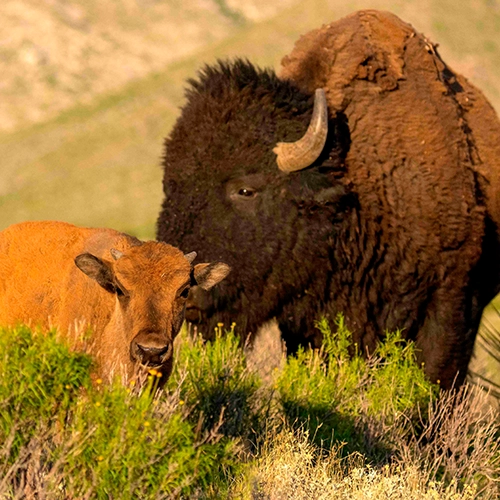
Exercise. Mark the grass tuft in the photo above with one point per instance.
(347, 399)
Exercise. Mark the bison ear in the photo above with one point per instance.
(208, 275)
(97, 269)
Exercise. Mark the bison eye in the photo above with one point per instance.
(247, 192)
(184, 294)
(244, 193)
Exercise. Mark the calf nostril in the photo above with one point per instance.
(153, 355)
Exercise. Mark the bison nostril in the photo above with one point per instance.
(152, 355)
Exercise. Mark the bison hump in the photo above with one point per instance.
(365, 46)
(413, 122)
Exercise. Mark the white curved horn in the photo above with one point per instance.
(294, 156)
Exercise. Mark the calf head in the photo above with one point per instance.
(151, 283)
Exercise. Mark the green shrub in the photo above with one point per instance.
(214, 380)
(40, 379)
(344, 398)
(66, 438)
(137, 446)
(102, 441)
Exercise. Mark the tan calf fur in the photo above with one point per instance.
(130, 294)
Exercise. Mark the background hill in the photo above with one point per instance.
(90, 89)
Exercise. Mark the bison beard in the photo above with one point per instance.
(396, 222)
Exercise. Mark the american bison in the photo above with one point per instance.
(131, 294)
(363, 180)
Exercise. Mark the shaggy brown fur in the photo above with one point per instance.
(130, 294)
(423, 139)
(401, 101)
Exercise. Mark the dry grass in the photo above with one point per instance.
(456, 456)
(290, 467)
(459, 443)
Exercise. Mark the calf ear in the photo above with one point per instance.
(208, 275)
(97, 269)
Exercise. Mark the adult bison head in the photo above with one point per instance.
(236, 193)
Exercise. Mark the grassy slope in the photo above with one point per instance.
(59, 53)
(99, 165)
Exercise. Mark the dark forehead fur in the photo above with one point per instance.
(235, 110)
(227, 78)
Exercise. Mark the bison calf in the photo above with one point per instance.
(130, 294)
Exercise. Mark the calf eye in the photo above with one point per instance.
(184, 294)
(122, 293)
(247, 192)
(123, 296)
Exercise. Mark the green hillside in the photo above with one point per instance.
(99, 164)
(61, 52)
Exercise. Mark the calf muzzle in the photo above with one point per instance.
(147, 350)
